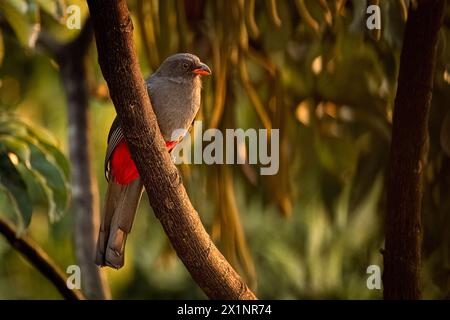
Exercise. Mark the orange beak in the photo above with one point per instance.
(202, 70)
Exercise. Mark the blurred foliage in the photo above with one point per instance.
(33, 169)
(309, 68)
(31, 165)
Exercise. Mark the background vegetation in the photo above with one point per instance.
(310, 68)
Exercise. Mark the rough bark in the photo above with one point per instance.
(85, 197)
(39, 259)
(118, 61)
(402, 255)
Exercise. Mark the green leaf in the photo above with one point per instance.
(19, 148)
(50, 144)
(9, 127)
(44, 136)
(15, 188)
(35, 135)
(23, 151)
(53, 179)
(37, 152)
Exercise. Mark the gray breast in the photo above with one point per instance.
(175, 101)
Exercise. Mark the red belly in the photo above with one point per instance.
(123, 168)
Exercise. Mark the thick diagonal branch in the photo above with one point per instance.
(117, 58)
(402, 259)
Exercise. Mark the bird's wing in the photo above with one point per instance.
(114, 137)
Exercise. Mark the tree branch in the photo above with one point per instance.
(118, 61)
(402, 258)
(85, 197)
(39, 259)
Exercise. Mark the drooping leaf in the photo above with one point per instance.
(56, 199)
(40, 158)
(37, 136)
(50, 144)
(54, 180)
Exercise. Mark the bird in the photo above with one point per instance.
(175, 94)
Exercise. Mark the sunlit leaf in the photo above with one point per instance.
(36, 150)
(56, 197)
(37, 136)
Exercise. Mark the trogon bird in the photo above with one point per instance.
(175, 92)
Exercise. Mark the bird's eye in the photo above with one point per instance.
(185, 65)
